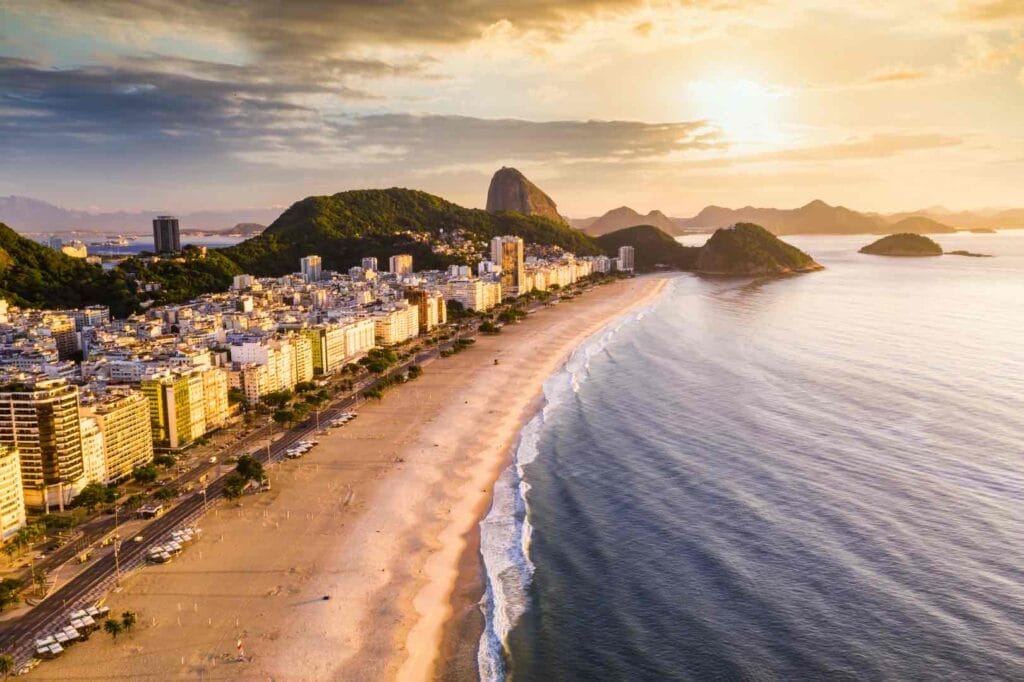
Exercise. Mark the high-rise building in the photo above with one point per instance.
(507, 253)
(127, 434)
(94, 468)
(369, 263)
(399, 324)
(12, 496)
(327, 343)
(626, 255)
(474, 294)
(310, 266)
(166, 235)
(432, 308)
(400, 264)
(177, 406)
(41, 420)
(61, 329)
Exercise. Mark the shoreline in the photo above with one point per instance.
(460, 645)
(383, 517)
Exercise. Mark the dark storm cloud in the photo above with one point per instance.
(317, 27)
(104, 108)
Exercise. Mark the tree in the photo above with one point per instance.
(10, 592)
(415, 371)
(39, 578)
(234, 486)
(305, 386)
(250, 468)
(6, 665)
(277, 398)
(488, 327)
(93, 495)
(113, 627)
(128, 620)
(145, 474)
(164, 460)
(235, 395)
(134, 501)
(166, 494)
(283, 417)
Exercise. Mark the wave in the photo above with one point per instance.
(505, 532)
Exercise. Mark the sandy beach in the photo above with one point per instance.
(378, 517)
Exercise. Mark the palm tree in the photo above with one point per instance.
(6, 665)
(128, 620)
(114, 627)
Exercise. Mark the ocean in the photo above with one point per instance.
(815, 477)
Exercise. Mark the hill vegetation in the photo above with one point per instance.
(35, 276)
(344, 227)
(904, 244)
(750, 250)
(652, 247)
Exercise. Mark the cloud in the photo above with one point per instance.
(313, 28)
(898, 74)
(992, 10)
(876, 146)
(158, 106)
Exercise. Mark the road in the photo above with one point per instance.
(17, 637)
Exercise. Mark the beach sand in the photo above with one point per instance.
(382, 517)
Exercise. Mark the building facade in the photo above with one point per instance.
(166, 235)
(41, 420)
(311, 268)
(626, 258)
(400, 264)
(127, 434)
(12, 496)
(507, 253)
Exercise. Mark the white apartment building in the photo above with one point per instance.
(474, 294)
(397, 325)
(626, 258)
(12, 497)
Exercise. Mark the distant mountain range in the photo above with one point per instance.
(623, 217)
(817, 217)
(29, 215)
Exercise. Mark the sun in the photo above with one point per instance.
(750, 114)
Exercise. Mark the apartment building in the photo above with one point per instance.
(124, 421)
(12, 496)
(474, 294)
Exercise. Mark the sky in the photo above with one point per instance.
(881, 105)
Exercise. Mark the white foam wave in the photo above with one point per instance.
(506, 531)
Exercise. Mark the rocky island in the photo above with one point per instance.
(746, 250)
(903, 245)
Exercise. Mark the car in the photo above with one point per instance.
(213, 460)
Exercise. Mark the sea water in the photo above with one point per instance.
(815, 477)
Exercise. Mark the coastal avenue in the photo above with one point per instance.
(17, 637)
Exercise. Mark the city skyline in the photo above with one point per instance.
(665, 106)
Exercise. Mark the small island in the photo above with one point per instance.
(746, 250)
(903, 245)
(969, 254)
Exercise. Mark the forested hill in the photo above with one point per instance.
(344, 227)
(36, 276)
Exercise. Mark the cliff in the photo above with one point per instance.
(511, 191)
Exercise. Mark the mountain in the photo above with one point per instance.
(989, 219)
(817, 217)
(917, 224)
(652, 247)
(33, 215)
(344, 227)
(35, 276)
(239, 230)
(511, 191)
(746, 249)
(903, 244)
(624, 216)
